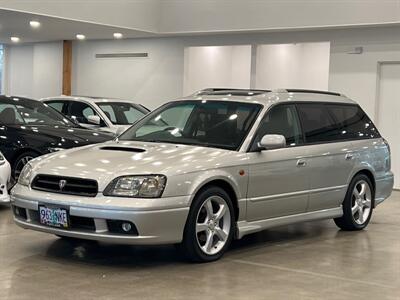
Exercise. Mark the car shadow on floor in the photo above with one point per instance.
(92, 252)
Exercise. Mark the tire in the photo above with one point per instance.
(357, 205)
(210, 226)
(20, 162)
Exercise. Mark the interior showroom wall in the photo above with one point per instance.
(161, 75)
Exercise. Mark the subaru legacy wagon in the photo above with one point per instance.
(213, 167)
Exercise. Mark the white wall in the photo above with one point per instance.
(150, 81)
(34, 70)
(160, 77)
(216, 66)
(303, 65)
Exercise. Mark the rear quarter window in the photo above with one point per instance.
(352, 122)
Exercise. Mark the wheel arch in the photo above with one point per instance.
(227, 185)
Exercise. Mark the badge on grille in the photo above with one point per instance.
(62, 184)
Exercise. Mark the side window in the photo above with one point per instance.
(9, 115)
(80, 111)
(283, 120)
(352, 122)
(317, 123)
(57, 105)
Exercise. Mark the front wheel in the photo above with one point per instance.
(20, 163)
(358, 204)
(209, 228)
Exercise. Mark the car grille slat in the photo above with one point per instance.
(73, 186)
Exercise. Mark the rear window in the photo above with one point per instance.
(352, 122)
(335, 122)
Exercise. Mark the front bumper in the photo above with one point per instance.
(153, 226)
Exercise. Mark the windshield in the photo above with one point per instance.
(219, 124)
(30, 112)
(122, 113)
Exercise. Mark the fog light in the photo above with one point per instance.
(126, 227)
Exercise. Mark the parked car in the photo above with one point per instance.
(29, 128)
(5, 176)
(106, 114)
(212, 167)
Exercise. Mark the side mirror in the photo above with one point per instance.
(93, 119)
(272, 141)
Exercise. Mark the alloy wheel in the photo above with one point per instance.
(361, 202)
(213, 225)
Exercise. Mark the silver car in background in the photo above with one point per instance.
(106, 114)
(211, 167)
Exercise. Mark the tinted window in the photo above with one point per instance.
(352, 122)
(219, 124)
(121, 113)
(283, 120)
(81, 111)
(318, 125)
(57, 105)
(30, 113)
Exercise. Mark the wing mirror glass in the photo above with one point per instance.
(92, 119)
(272, 141)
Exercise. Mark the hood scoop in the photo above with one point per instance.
(124, 149)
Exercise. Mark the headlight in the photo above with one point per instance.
(149, 186)
(25, 175)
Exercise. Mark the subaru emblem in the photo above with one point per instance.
(62, 184)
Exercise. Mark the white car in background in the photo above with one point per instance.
(5, 175)
(106, 114)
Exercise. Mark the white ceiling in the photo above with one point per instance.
(99, 19)
(14, 23)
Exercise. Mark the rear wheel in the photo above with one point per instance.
(209, 228)
(358, 204)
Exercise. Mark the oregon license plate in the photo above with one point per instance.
(55, 217)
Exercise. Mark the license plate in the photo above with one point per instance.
(55, 217)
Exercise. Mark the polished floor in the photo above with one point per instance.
(303, 261)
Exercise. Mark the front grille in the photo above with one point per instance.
(71, 185)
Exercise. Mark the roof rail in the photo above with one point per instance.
(307, 91)
(231, 91)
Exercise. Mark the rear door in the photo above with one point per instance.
(278, 179)
(330, 155)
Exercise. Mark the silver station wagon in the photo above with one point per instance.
(213, 167)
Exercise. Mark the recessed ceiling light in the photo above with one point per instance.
(80, 37)
(15, 39)
(34, 24)
(118, 35)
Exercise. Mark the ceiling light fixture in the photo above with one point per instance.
(15, 39)
(80, 37)
(118, 35)
(34, 24)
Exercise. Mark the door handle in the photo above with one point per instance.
(301, 163)
(349, 156)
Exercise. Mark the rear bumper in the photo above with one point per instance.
(383, 187)
(153, 227)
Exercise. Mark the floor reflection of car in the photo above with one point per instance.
(29, 128)
(212, 167)
(5, 176)
(106, 114)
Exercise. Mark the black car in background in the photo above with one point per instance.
(29, 128)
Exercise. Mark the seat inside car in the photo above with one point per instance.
(7, 116)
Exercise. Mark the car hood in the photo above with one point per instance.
(66, 137)
(106, 161)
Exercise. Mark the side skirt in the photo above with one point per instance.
(244, 227)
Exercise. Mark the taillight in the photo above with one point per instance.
(388, 160)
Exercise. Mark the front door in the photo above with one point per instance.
(278, 179)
